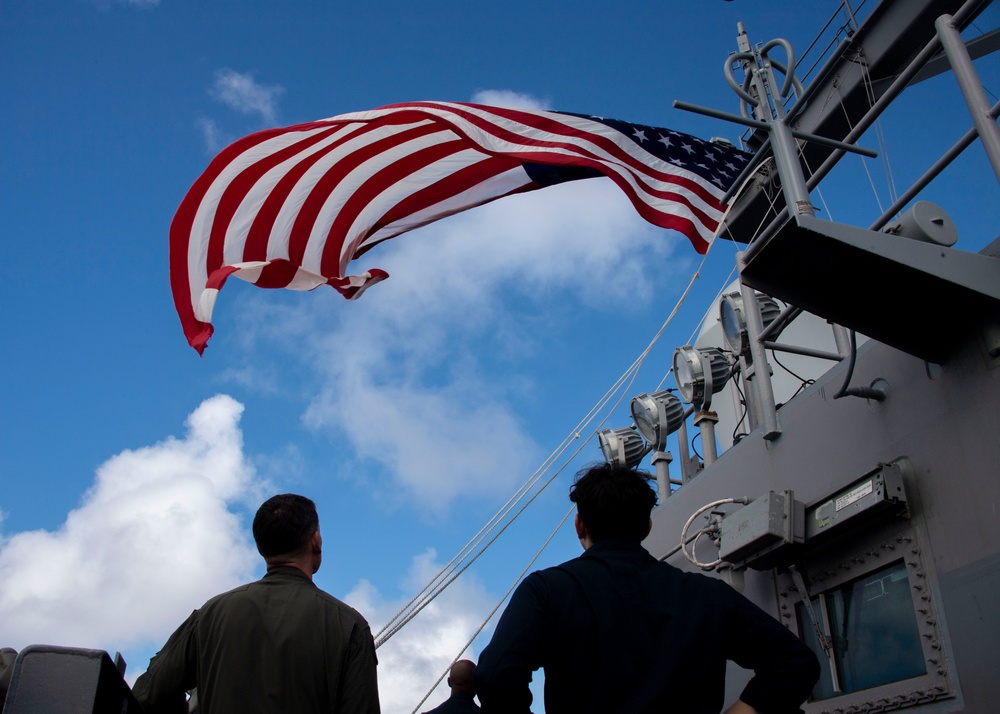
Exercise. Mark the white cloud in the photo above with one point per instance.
(405, 375)
(212, 135)
(423, 374)
(241, 92)
(152, 539)
(509, 99)
(413, 658)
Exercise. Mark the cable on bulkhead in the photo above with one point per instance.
(684, 531)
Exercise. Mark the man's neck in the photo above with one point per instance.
(290, 563)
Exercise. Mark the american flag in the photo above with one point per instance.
(291, 207)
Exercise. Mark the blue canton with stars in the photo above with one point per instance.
(717, 164)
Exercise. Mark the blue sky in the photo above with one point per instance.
(131, 467)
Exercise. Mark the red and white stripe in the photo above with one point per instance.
(292, 207)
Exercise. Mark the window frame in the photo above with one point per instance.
(853, 556)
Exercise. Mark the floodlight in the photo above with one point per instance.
(656, 416)
(700, 373)
(622, 447)
(732, 315)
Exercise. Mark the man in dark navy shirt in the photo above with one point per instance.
(618, 631)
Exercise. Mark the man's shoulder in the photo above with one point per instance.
(341, 606)
(598, 563)
(222, 597)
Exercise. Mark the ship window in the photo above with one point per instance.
(872, 630)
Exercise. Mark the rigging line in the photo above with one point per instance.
(723, 225)
(398, 627)
(494, 610)
(836, 91)
(864, 161)
(883, 145)
(479, 537)
(468, 547)
(412, 607)
(512, 502)
(673, 313)
(381, 640)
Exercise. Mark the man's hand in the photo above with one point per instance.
(741, 707)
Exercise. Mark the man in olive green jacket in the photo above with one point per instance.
(276, 645)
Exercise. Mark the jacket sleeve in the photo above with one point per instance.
(359, 680)
(171, 674)
(515, 651)
(785, 670)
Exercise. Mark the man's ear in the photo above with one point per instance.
(581, 528)
(649, 528)
(316, 542)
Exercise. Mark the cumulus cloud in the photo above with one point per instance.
(241, 92)
(211, 134)
(510, 99)
(425, 376)
(413, 658)
(432, 355)
(153, 538)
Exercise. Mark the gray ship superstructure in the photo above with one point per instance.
(857, 500)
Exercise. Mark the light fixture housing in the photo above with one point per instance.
(656, 416)
(622, 447)
(700, 373)
(732, 315)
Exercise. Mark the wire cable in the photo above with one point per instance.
(684, 538)
(465, 557)
(494, 610)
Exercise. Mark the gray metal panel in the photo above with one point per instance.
(972, 593)
(919, 297)
(946, 420)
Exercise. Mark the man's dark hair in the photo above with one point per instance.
(613, 501)
(284, 524)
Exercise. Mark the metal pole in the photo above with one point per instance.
(780, 322)
(684, 451)
(932, 173)
(807, 351)
(661, 462)
(842, 338)
(972, 89)
(764, 394)
(705, 420)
